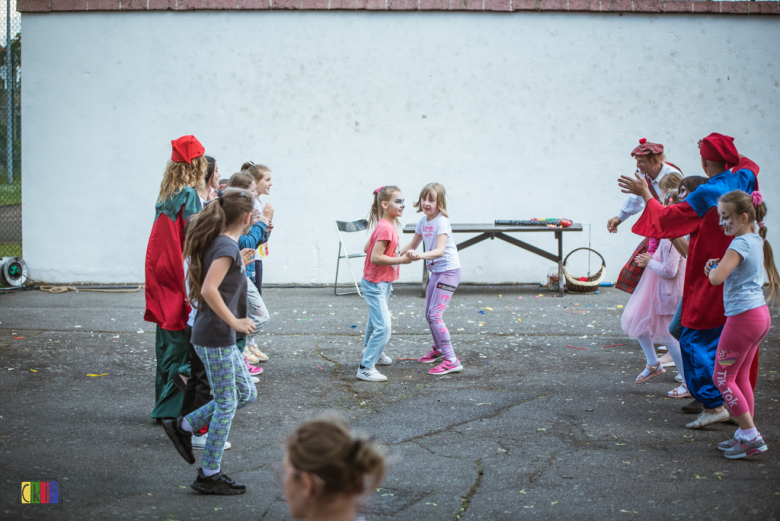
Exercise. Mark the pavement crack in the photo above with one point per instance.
(466, 500)
(547, 464)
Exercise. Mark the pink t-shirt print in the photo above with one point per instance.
(384, 231)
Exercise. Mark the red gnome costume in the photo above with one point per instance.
(631, 273)
(703, 313)
(166, 298)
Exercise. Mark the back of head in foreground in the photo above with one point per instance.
(327, 470)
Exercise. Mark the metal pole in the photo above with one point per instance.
(9, 84)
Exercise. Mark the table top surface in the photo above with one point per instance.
(489, 227)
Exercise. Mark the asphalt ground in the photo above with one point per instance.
(530, 429)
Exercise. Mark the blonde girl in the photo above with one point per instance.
(741, 271)
(441, 258)
(262, 176)
(218, 286)
(327, 470)
(379, 272)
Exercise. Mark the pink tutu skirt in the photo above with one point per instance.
(640, 316)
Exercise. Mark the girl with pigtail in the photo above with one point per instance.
(218, 286)
(741, 271)
(379, 272)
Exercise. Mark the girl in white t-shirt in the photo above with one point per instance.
(441, 258)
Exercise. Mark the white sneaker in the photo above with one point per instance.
(678, 378)
(383, 359)
(199, 442)
(370, 375)
(706, 418)
(254, 379)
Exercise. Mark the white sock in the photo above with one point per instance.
(453, 360)
(749, 434)
(647, 347)
(738, 434)
(676, 353)
(185, 425)
(209, 473)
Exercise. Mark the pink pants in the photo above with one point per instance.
(441, 286)
(737, 348)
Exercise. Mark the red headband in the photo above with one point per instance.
(719, 149)
(185, 149)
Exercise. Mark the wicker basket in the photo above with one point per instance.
(578, 286)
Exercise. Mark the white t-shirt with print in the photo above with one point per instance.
(430, 231)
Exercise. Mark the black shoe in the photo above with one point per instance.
(218, 484)
(694, 407)
(181, 439)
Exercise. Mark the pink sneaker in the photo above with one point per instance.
(446, 367)
(431, 357)
(253, 371)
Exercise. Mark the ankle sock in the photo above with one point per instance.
(185, 425)
(749, 434)
(208, 472)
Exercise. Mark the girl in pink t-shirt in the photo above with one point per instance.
(379, 272)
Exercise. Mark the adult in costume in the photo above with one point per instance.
(166, 298)
(651, 164)
(703, 313)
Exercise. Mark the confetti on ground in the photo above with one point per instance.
(614, 345)
(519, 319)
(488, 309)
(406, 358)
(353, 326)
(18, 338)
(575, 347)
(481, 312)
(91, 374)
(320, 368)
(488, 363)
(34, 370)
(619, 307)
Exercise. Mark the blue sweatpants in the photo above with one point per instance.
(699, 348)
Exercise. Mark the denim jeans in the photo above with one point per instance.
(378, 326)
(675, 328)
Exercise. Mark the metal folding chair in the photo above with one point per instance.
(348, 227)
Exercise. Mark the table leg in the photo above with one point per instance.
(559, 236)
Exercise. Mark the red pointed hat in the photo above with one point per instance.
(185, 149)
(719, 149)
(645, 148)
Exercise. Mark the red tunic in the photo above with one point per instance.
(703, 307)
(166, 298)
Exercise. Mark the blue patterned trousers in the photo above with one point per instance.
(232, 388)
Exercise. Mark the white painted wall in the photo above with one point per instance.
(518, 115)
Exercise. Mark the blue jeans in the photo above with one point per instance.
(676, 328)
(378, 327)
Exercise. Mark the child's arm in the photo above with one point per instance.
(718, 270)
(413, 244)
(670, 265)
(441, 245)
(681, 245)
(379, 258)
(210, 293)
(254, 237)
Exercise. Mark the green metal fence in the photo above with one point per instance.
(10, 131)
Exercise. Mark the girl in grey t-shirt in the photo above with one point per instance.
(747, 316)
(218, 287)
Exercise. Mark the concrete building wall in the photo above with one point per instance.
(518, 115)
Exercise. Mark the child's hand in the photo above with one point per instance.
(247, 255)
(412, 254)
(710, 264)
(642, 259)
(270, 225)
(268, 211)
(244, 325)
(212, 195)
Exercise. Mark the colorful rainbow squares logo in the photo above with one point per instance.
(40, 492)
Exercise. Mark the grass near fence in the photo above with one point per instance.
(10, 193)
(10, 250)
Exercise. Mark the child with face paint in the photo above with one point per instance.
(441, 258)
(379, 272)
(741, 271)
(650, 309)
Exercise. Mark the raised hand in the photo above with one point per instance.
(268, 211)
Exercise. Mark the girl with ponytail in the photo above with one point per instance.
(218, 286)
(327, 470)
(379, 272)
(741, 271)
